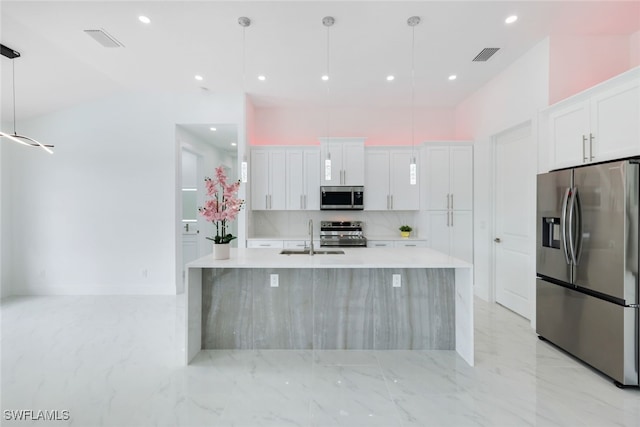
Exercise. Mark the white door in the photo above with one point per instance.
(377, 180)
(439, 231)
(353, 163)
(437, 170)
(295, 180)
(189, 220)
(259, 180)
(515, 219)
(568, 128)
(277, 180)
(311, 176)
(406, 197)
(461, 178)
(462, 235)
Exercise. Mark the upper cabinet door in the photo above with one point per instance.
(331, 175)
(311, 197)
(278, 180)
(404, 195)
(353, 163)
(437, 170)
(295, 180)
(569, 134)
(461, 178)
(259, 179)
(377, 196)
(615, 122)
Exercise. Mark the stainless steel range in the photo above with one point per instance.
(342, 233)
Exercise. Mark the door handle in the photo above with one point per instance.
(497, 240)
(584, 144)
(563, 224)
(591, 138)
(572, 245)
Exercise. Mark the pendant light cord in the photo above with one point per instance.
(327, 83)
(413, 89)
(13, 78)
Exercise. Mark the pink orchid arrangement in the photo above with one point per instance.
(223, 206)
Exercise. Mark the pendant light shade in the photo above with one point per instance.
(413, 167)
(15, 137)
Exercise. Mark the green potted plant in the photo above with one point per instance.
(405, 230)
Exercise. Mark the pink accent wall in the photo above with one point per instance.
(578, 62)
(634, 50)
(381, 126)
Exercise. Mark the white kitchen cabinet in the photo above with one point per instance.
(300, 244)
(387, 175)
(346, 157)
(379, 243)
(602, 123)
(449, 177)
(268, 179)
(264, 244)
(451, 232)
(411, 243)
(303, 179)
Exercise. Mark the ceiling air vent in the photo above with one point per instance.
(104, 38)
(485, 54)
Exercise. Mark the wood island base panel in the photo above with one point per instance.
(365, 299)
(328, 309)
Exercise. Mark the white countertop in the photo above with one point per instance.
(352, 258)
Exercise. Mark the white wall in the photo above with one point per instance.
(634, 49)
(513, 97)
(99, 216)
(381, 126)
(5, 231)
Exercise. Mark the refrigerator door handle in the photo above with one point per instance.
(578, 209)
(572, 209)
(563, 224)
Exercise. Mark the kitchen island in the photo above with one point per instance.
(366, 298)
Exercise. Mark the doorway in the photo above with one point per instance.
(201, 148)
(514, 219)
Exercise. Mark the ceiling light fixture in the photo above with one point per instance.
(144, 19)
(20, 139)
(212, 129)
(413, 167)
(328, 22)
(511, 19)
(453, 77)
(233, 144)
(262, 78)
(198, 77)
(390, 78)
(244, 23)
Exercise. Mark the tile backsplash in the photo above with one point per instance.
(277, 224)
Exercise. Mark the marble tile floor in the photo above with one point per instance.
(116, 361)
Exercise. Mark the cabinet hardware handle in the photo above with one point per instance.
(451, 218)
(451, 200)
(305, 201)
(410, 245)
(266, 201)
(447, 201)
(301, 204)
(264, 244)
(584, 144)
(380, 244)
(591, 138)
(448, 219)
(392, 201)
(270, 204)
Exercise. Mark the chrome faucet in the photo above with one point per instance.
(311, 236)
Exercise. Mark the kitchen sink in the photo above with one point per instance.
(307, 252)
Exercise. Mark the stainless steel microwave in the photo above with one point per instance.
(342, 198)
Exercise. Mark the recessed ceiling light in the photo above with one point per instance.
(213, 129)
(511, 19)
(390, 78)
(453, 77)
(144, 19)
(199, 77)
(262, 78)
(233, 144)
(325, 77)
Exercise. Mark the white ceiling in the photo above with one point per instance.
(61, 65)
(221, 138)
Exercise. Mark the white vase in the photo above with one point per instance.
(221, 250)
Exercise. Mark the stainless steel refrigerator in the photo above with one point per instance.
(587, 290)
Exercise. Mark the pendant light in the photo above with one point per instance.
(413, 167)
(15, 137)
(328, 22)
(244, 23)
